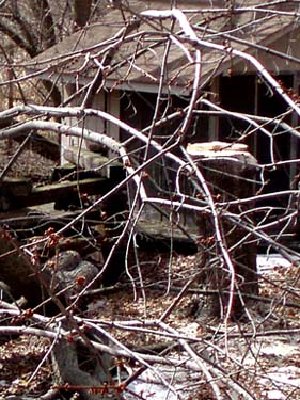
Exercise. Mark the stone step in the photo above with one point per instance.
(88, 160)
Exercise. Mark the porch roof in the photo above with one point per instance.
(136, 61)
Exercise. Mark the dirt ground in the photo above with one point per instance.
(263, 354)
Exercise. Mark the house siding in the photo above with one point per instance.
(104, 101)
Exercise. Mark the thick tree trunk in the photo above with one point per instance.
(17, 272)
(229, 171)
(66, 360)
(82, 12)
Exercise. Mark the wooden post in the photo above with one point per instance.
(229, 171)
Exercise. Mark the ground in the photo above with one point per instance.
(262, 353)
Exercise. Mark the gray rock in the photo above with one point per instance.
(69, 272)
(66, 260)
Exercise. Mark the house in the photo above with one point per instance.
(138, 60)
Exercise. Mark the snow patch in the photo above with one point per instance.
(266, 262)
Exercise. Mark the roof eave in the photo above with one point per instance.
(111, 84)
